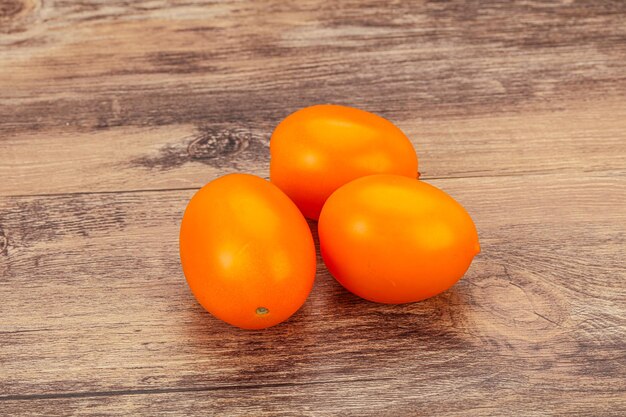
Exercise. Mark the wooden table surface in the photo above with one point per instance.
(113, 113)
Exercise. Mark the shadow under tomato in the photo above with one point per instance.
(335, 335)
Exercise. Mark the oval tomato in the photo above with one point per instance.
(317, 149)
(246, 251)
(393, 239)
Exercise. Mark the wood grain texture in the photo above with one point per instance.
(151, 94)
(95, 304)
(185, 156)
(112, 114)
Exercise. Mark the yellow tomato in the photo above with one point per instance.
(393, 239)
(317, 149)
(246, 251)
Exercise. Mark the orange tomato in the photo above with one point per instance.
(317, 149)
(392, 239)
(246, 251)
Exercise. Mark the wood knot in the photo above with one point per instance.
(17, 15)
(10, 8)
(214, 143)
(4, 242)
(514, 304)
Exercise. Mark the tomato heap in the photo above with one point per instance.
(246, 248)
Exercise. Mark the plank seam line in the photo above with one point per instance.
(157, 391)
(161, 190)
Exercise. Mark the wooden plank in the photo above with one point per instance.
(106, 96)
(100, 64)
(582, 138)
(378, 398)
(94, 301)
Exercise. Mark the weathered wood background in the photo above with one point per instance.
(112, 113)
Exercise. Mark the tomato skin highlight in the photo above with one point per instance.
(392, 239)
(318, 149)
(246, 251)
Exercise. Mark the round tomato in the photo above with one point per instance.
(317, 149)
(393, 239)
(246, 251)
